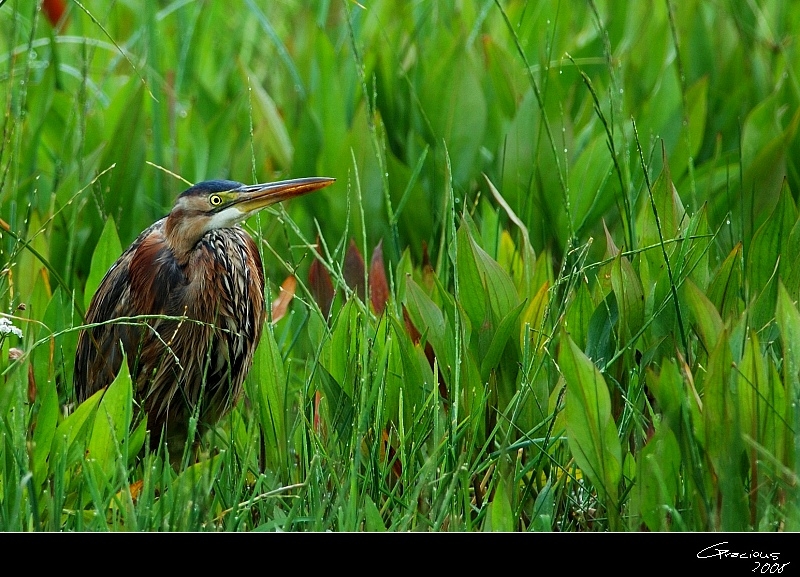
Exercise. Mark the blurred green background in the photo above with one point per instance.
(368, 93)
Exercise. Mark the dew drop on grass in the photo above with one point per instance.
(728, 221)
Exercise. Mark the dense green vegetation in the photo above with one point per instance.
(553, 287)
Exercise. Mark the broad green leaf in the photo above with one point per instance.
(517, 170)
(344, 344)
(589, 176)
(136, 440)
(75, 426)
(705, 317)
(404, 271)
(522, 272)
(788, 319)
(543, 509)
(667, 388)
(533, 388)
(372, 517)
(762, 310)
(510, 259)
(266, 388)
(409, 371)
(107, 251)
(604, 270)
(455, 105)
(500, 512)
(184, 492)
(504, 331)
(723, 437)
(790, 272)
(630, 297)
(429, 320)
(658, 469)
(764, 157)
(694, 255)
(542, 270)
(46, 421)
(725, 290)
(761, 402)
(579, 312)
(487, 235)
(31, 272)
(776, 436)
(601, 342)
(471, 286)
(533, 316)
(770, 243)
(692, 131)
(340, 404)
(111, 423)
(474, 395)
(591, 431)
(671, 219)
(480, 279)
(60, 316)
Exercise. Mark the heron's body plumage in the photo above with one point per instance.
(185, 304)
(205, 345)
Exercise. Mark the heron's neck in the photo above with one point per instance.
(182, 232)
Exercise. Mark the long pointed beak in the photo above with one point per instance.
(253, 197)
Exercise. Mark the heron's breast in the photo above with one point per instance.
(226, 281)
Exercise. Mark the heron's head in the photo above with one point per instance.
(224, 203)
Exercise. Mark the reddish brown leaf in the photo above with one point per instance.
(378, 287)
(31, 385)
(354, 269)
(319, 281)
(136, 489)
(317, 401)
(426, 259)
(54, 10)
(410, 328)
(281, 303)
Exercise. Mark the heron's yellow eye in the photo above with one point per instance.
(215, 200)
